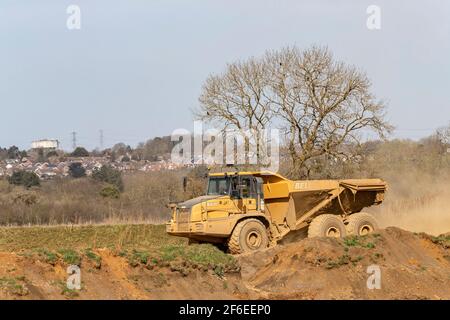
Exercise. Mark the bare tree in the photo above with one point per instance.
(236, 99)
(321, 104)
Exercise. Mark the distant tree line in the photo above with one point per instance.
(151, 150)
(12, 153)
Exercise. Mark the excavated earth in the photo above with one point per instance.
(411, 266)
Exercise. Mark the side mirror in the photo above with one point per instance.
(171, 205)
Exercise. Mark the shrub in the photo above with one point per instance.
(49, 256)
(76, 170)
(110, 192)
(24, 178)
(138, 257)
(13, 286)
(95, 258)
(70, 256)
(109, 175)
(80, 152)
(52, 153)
(27, 199)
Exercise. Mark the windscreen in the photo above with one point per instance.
(218, 186)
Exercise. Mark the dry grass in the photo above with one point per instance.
(78, 201)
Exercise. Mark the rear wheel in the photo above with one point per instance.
(327, 225)
(361, 224)
(248, 235)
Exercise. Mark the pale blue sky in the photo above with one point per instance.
(135, 68)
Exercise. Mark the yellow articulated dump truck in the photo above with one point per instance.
(249, 211)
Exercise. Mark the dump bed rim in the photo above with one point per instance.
(364, 184)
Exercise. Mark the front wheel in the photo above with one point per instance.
(248, 235)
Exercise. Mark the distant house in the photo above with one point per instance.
(46, 144)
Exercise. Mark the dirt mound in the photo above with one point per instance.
(412, 266)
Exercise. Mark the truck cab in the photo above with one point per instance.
(246, 191)
(212, 217)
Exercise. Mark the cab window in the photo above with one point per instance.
(243, 187)
(246, 183)
(218, 186)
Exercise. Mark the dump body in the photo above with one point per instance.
(282, 205)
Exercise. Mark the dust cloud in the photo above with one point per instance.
(416, 202)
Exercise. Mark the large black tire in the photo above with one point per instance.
(361, 223)
(327, 225)
(248, 235)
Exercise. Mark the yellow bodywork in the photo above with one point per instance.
(286, 205)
